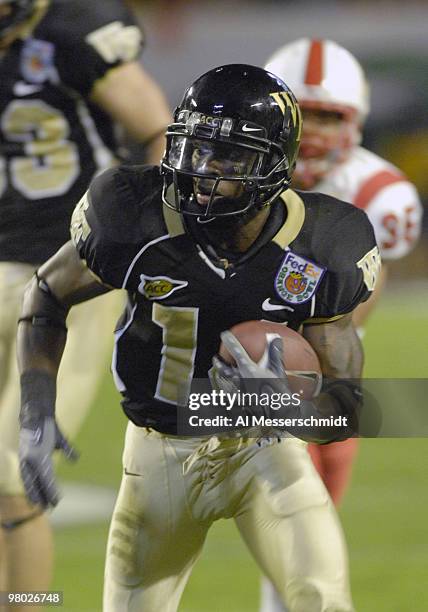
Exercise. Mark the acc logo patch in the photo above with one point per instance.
(159, 287)
(297, 279)
(37, 60)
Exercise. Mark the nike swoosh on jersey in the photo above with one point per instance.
(246, 128)
(268, 306)
(25, 89)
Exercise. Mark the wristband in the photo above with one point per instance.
(38, 393)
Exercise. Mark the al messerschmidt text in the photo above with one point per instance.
(247, 420)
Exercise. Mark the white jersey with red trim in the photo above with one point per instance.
(389, 199)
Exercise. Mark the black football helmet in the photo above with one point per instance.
(19, 11)
(233, 144)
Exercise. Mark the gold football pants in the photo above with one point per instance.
(174, 488)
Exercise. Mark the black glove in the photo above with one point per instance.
(39, 437)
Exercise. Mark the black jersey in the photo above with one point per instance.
(320, 264)
(52, 140)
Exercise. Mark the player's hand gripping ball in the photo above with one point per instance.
(253, 346)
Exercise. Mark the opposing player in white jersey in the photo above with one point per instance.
(333, 95)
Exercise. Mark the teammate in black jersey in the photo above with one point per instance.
(218, 238)
(69, 70)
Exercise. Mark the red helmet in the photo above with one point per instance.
(325, 79)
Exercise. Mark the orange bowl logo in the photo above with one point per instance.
(295, 283)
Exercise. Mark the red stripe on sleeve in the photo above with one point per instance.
(373, 185)
(314, 68)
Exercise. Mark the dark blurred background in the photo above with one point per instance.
(185, 38)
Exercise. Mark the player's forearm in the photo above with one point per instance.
(341, 357)
(133, 98)
(39, 349)
(61, 282)
(40, 344)
(154, 149)
(338, 347)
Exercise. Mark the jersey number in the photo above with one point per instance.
(50, 164)
(399, 227)
(179, 333)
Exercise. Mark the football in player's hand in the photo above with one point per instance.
(300, 360)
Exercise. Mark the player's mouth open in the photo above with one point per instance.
(203, 198)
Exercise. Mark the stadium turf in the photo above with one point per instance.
(383, 514)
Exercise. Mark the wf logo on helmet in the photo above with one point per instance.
(297, 279)
(286, 103)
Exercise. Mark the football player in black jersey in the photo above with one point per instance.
(69, 71)
(217, 239)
